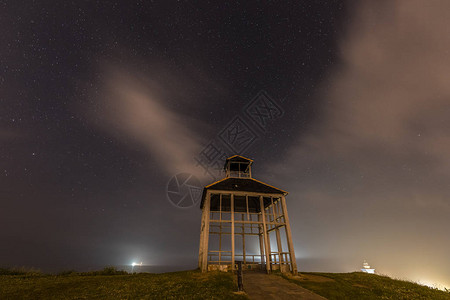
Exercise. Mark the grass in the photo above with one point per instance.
(111, 284)
(359, 285)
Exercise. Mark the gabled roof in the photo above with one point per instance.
(233, 184)
(237, 158)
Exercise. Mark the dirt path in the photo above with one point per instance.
(263, 286)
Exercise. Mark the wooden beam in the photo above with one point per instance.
(220, 228)
(202, 236)
(243, 239)
(272, 229)
(289, 237)
(232, 232)
(276, 213)
(261, 241)
(246, 203)
(243, 193)
(206, 208)
(246, 222)
(266, 236)
(279, 246)
(236, 233)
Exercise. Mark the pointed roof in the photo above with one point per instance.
(237, 158)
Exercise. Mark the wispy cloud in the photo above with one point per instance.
(388, 106)
(378, 156)
(134, 109)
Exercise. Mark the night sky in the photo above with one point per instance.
(103, 102)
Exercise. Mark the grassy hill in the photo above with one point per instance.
(112, 284)
(359, 285)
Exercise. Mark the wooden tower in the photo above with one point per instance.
(241, 207)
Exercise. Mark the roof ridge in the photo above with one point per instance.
(216, 182)
(239, 156)
(268, 185)
(253, 179)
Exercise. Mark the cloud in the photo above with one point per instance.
(388, 100)
(373, 171)
(134, 109)
(392, 89)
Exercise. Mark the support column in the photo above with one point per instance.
(220, 229)
(266, 236)
(289, 236)
(232, 233)
(202, 237)
(269, 247)
(261, 241)
(279, 247)
(205, 239)
(277, 232)
(243, 241)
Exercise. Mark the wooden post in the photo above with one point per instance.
(279, 246)
(266, 236)
(202, 237)
(243, 240)
(289, 236)
(232, 233)
(246, 203)
(270, 248)
(261, 240)
(239, 277)
(205, 240)
(277, 232)
(220, 229)
(273, 209)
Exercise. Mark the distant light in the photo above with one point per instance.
(366, 268)
(133, 264)
(433, 285)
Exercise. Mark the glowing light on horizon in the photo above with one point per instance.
(433, 285)
(366, 268)
(133, 264)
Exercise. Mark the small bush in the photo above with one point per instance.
(67, 273)
(20, 271)
(105, 272)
